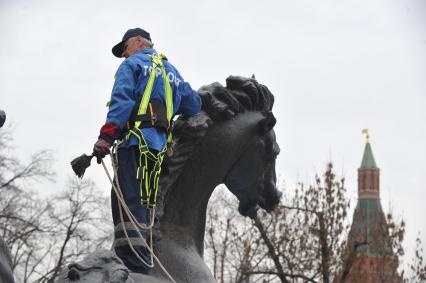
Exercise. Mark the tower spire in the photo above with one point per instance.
(368, 173)
(368, 157)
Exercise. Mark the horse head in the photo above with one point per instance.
(246, 106)
(252, 178)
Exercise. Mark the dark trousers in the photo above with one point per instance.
(128, 162)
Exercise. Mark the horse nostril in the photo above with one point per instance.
(73, 274)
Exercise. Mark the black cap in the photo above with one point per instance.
(117, 50)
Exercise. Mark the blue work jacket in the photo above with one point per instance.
(130, 82)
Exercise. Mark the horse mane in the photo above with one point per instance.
(240, 95)
(219, 104)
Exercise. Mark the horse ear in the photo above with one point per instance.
(267, 123)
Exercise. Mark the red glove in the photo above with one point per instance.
(100, 149)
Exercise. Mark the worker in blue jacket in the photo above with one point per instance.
(142, 74)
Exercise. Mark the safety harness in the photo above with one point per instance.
(156, 117)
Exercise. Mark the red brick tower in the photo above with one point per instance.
(369, 256)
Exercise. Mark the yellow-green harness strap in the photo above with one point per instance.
(156, 62)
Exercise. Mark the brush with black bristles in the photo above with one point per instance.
(80, 164)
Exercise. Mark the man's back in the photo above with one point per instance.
(130, 82)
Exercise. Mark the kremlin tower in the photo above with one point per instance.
(369, 258)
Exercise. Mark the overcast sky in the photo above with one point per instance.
(335, 67)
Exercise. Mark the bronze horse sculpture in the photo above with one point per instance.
(231, 141)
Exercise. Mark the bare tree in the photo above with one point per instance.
(44, 234)
(21, 211)
(301, 241)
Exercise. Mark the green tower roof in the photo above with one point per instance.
(369, 229)
(368, 158)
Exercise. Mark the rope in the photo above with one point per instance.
(122, 205)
